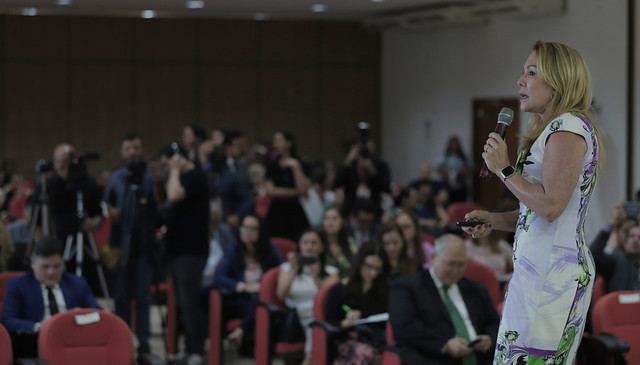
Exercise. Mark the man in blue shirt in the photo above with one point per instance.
(133, 211)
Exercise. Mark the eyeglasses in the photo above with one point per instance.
(249, 228)
(372, 267)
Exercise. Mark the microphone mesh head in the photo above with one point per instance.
(505, 116)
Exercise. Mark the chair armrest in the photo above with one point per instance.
(330, 329)
(223, 291)
(272, 308)
(603, 348)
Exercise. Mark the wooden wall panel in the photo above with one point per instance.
(35, 112)
(289, 101)
(349, 95)
(101, 110)
(229, 98)
(165, 103)
(166, 39)
(102, 39)
(229, 41)
(292, 42)
(89, 80)
(348, 42)
(33, 38)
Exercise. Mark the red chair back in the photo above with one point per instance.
(263, 348)
(599, 289)
(389, 357)
(284, 246)
(485, 276)
(85, 336)
(4, 280)
(618, 313)
(457, 210)
(6, 353)
(320, 347)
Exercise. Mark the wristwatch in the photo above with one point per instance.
(507, 172)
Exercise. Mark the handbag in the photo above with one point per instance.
(290, 328)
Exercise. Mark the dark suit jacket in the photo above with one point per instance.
(24, 306)
(421, 323)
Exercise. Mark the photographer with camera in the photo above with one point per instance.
(363, 175)
(186, 218)
(132, 207)
(68, 181)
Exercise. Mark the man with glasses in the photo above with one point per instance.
(439, 317)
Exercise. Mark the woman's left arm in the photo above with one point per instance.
(561, 169)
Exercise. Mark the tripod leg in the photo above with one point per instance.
(95, 256)
(79, 253)
(67, 248)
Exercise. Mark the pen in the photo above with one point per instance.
(346, 308)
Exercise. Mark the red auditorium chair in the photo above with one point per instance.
(485, 276)
(6, 353)
(4, 279)
(599, 289)
(86, 336)
(390, 355)
(284, 246)
(457, 210)
(618, 314)
(218, 326)
(268, 307)
(321, 331)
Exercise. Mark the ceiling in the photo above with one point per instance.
(380, 13)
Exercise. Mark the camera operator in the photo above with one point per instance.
(68, 179)
(186, 217)
(363, 175)
(131, 204)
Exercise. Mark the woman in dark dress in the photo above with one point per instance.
(286, 183)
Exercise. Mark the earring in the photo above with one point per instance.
(553, 93)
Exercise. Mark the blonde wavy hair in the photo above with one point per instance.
(562, 68)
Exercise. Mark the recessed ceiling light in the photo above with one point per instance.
(194, 4)
(318, 8)
(377, 1)
(30, 11)
(260, 16)
(148, 14)
(63, 2)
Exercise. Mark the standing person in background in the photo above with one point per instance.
(132, 207)
(545, 310)
(363, 175)
(454, 168)
(286, 183)
(186, 217)
(192, 136)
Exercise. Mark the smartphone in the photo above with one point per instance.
(631, 209)
(307, 260)
(469, 223)
(474, 342)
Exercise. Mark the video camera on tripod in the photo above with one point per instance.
(78, 163)
(363, 127)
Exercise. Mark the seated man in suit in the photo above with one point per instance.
(438, 317)
(34, 297)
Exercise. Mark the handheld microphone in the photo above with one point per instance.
(504, 120)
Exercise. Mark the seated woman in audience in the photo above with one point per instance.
(417, 248)
(241, 270)
(395, 246)
(341, 247)
(361, 295)
(493, 251)
(300, 278)
(432, 214)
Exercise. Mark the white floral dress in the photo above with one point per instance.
(546, 305)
